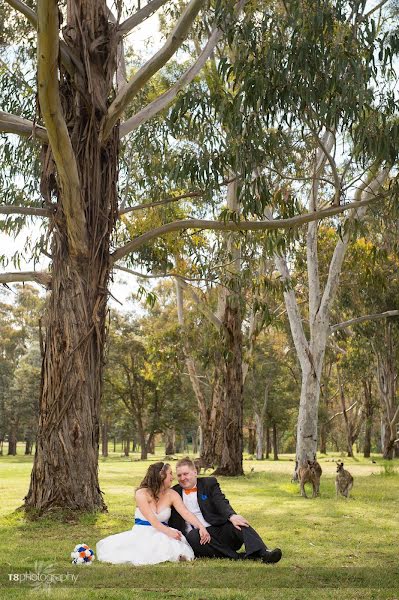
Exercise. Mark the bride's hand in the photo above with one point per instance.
(204, 536)
(173, 533)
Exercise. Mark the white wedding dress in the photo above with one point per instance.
(143, 544)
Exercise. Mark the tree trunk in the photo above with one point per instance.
(65, 471)
(308, 417)
(232, 415)
(150, 444)
(170, 441)
(275, 444)
(259, 436)
(194, 437)
(211, 451)
(348, 428)
(28, 446)
(143, 442)
(323, 438)
(104, 438)
(251, 438)
(12, 440)
(114, 443)
(387, 384)
(268, 443)
(126, 447)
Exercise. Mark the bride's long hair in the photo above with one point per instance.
(154, 478)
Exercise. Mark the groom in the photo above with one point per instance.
(229, 531)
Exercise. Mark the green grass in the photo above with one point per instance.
(332, 548)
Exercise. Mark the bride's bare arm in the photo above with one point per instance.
(143, 504)
(188, 516)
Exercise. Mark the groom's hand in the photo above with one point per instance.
(238, 521)
(204, 535)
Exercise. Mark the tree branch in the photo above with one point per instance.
(271, 225)
(69, 61)
(342, 412)
(24, 210)
(370, 191)
(38, 276)
(160, 202)
(139, 16)
(162, 275)
(13, 124)
(373, 10)
(167, 98)
(50, 104)
(374, 317)
(202, 307)
(156, 62)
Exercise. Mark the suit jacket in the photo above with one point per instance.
(214, 505)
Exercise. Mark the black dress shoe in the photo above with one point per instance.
(271, 556)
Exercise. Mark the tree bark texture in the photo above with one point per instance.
(232, 409)
(66, 459)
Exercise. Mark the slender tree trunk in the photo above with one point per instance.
(65, 471)
(126, 447)
(12, 440)
(151, 443)
(143, 441)
(268, 443)
(388, 442)
(275, 442)
(387, 383)
(211, 431)
(194, 438)
(28, 446)
(200, 440)
(251, 438)
(259, 425)
(348, 427)
(170, 441)
(114, 443)
(104, 438)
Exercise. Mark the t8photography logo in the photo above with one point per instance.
(42, 577)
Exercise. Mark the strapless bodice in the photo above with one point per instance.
(163, 516)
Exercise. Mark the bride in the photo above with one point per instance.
(151, 541)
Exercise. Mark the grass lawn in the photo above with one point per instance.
(332, 548)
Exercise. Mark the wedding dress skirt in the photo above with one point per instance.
(143, 544)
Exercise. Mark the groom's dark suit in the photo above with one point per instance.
(225, 538)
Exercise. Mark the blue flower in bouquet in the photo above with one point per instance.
(82, 555)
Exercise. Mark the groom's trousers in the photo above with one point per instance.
(225, 542)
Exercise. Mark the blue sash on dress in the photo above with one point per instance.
(142, 522)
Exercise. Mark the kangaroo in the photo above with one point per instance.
(343, 481)
(199, 464)
(310, 473)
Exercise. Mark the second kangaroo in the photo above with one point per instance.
(343, 480)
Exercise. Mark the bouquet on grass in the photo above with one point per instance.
(82, 555)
